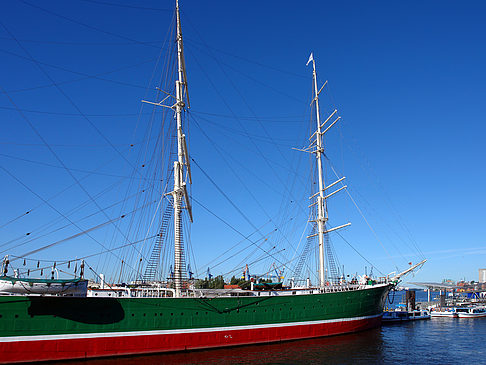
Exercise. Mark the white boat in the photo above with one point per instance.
(443, 312)
(419, 314)
(397, 316)
(471, 312)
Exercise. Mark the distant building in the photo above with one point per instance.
(482, 276)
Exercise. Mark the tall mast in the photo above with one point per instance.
(182, 165)
(322, 195)
(182, 154)
(321, 202)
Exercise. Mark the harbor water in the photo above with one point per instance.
(434, 341)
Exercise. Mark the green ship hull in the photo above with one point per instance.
(48, 328)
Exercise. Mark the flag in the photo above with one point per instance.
(311, 58)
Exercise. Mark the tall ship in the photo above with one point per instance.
(57, 318)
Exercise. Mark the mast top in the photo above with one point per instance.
(311, 58)
(181, 59)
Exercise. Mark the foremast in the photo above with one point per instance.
(322, 195)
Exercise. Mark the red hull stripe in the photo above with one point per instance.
(176, 331)
(115, 344)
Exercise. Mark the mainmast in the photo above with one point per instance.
(321, 195)
(182, 169)
(321, 202)
(180, 189)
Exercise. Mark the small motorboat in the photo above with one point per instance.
(419, 314)
(401, 315)
(471, 312)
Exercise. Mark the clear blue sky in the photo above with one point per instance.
(408, 79)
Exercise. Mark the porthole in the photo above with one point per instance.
(133, 314)
(16, 316)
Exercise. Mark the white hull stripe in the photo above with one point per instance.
(69, 336)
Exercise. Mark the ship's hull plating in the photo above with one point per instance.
(55, 328)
